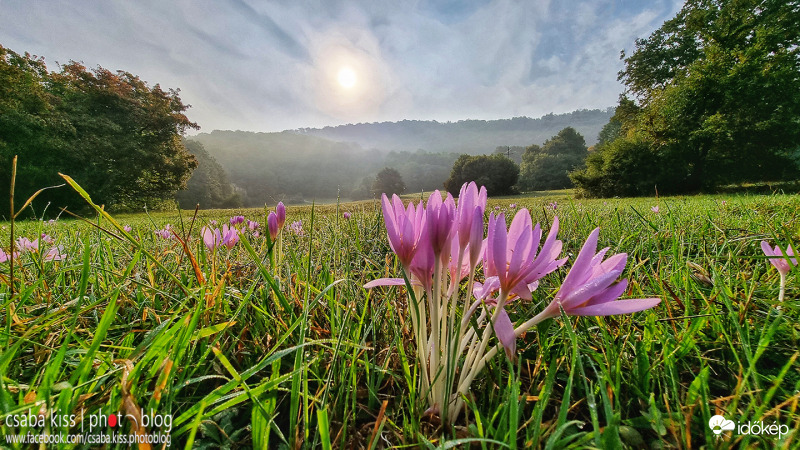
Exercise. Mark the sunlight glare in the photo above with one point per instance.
(347, 77)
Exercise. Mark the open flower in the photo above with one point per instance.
(230, 236)
(27, 245)
(296, 227)
(591, 289)
(655, 209)
(782, 261)
(164, 233)
(5, 257)
(54, 254)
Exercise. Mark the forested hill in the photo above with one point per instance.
(322, 163)
(465, 136)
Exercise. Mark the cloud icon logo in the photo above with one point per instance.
(718, 424)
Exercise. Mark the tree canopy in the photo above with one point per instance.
(548, 167)
(388, 181)
(716, 100)
(113, 133)
(496, 172)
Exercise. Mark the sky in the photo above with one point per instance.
(277, 65)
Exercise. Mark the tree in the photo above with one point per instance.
(718, 96)
(548, 167)
(388, 181)
(209, 185)
(115, 135)
(496, 172)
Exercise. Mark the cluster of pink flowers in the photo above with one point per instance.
(229, 235)
(25, 245)
(164, 233)
(440, 245)
(275, 220)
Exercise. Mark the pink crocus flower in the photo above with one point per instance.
(252, 225)
(590, 288)
(127, 228)
(47, 239)
(164, 233)
(280, 210)
(346, 215)
(272, 225)
(211, 237)
(230, 236)
(553, 205)
(27, 245)
(296, 227)
(471, 206)
(779, 258)
(236, 220)
(440, 217)
(54, 254)
(404, 227)
(5, 257)
(511, 255)
(784, 262)
(655, 209)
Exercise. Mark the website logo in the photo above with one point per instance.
(718, 424)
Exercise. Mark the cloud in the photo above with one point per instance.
(268, 66)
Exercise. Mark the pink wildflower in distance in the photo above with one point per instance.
(211, 237)
(655, 209)
(252, 225)
(47, 239)
(784, 262)
(27, 245)
(346, 215)
(230, 236)
(164, 233)
(55, 254)
(553, 205)
(5, 257)
(236, 220)
(127, 228)
(297, 227)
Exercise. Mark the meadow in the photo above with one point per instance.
(246, 347)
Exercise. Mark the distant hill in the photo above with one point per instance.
(465, 136)
(313, 163)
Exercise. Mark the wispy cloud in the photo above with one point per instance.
(269, 66)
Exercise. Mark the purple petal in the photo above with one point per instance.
(616, 307)
(385, 282)
(504, 330)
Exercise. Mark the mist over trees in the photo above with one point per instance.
(209, 185)
(297, 166)
(715, 100)
(113, 133)
(474, 137)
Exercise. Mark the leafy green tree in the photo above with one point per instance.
(388, 181)
(718, 96)
(114, 134)
(548, 167)
(496, 172)
(209, 185)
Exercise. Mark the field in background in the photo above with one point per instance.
(302, 350)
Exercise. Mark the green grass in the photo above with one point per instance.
(300, 355)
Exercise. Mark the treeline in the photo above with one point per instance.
(713, 98)
(472, 137)
(113, 133)
(287, 166)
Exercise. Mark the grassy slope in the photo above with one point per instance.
(111, 328)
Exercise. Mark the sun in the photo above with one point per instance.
(347, 77)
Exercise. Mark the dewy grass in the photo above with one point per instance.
(125, 326)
